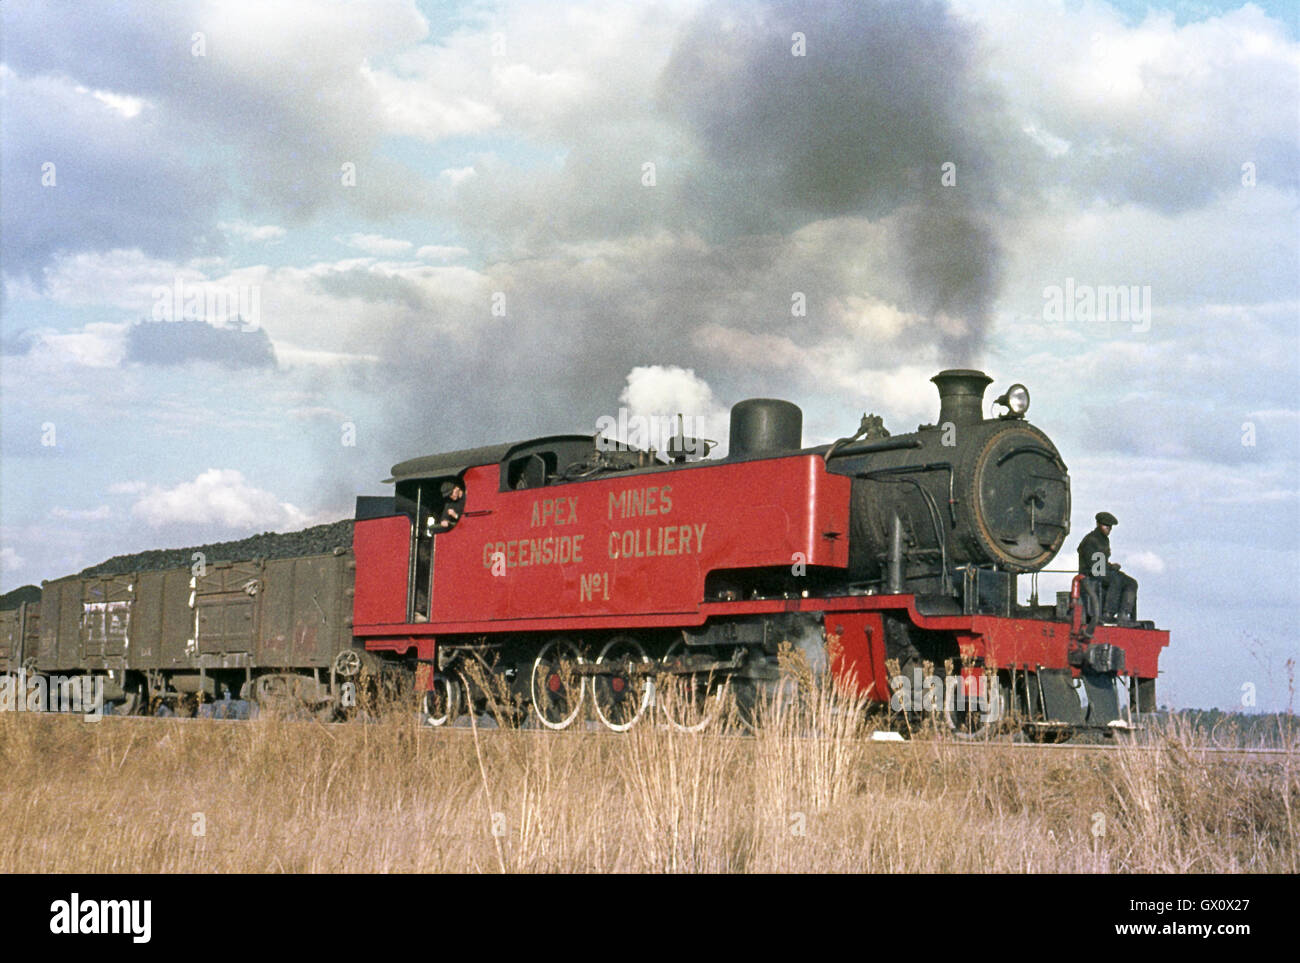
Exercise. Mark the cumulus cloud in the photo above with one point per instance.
(126, 106)
(1209, 383)
(1157, 112)
(97, 345)
(277, 90)
(818, 174)
(412, 106)
(125, 278)
(71, 178)
(776, 175)
(547, 74)
(319, 313)
(217, 496)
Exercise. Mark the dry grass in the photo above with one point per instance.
(125, 796)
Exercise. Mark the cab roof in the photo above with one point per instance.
(457, 462)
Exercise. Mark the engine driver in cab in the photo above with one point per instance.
(453, 504)
(1116, 591)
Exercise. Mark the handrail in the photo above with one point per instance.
(870, 447)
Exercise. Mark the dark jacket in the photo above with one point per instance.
(451, 512)
(1095, 541)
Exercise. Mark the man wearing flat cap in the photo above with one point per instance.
(453, 503)
(1117, 591)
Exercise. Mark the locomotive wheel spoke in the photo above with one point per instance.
(440, 706)
(620, 698)
(556, 691)
(687, 701)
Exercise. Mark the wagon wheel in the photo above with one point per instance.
(441, 705)
(275, 694)
(347, 663)
(620, 699)
(687, 701)
(132, 704)
(556, 694)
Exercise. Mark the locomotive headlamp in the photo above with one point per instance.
(1016, 400)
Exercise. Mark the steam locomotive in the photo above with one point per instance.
(581, 576)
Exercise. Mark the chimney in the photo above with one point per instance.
(961, 395)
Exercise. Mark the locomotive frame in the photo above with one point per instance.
(773, 544)
(584, 571)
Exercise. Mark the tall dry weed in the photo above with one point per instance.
(805, 791)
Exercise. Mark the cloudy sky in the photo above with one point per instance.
(255, 253)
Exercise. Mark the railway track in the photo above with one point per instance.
(488, 727)
(1129, 747)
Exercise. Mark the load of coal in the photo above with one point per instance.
(319, 540)
(27, 593)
